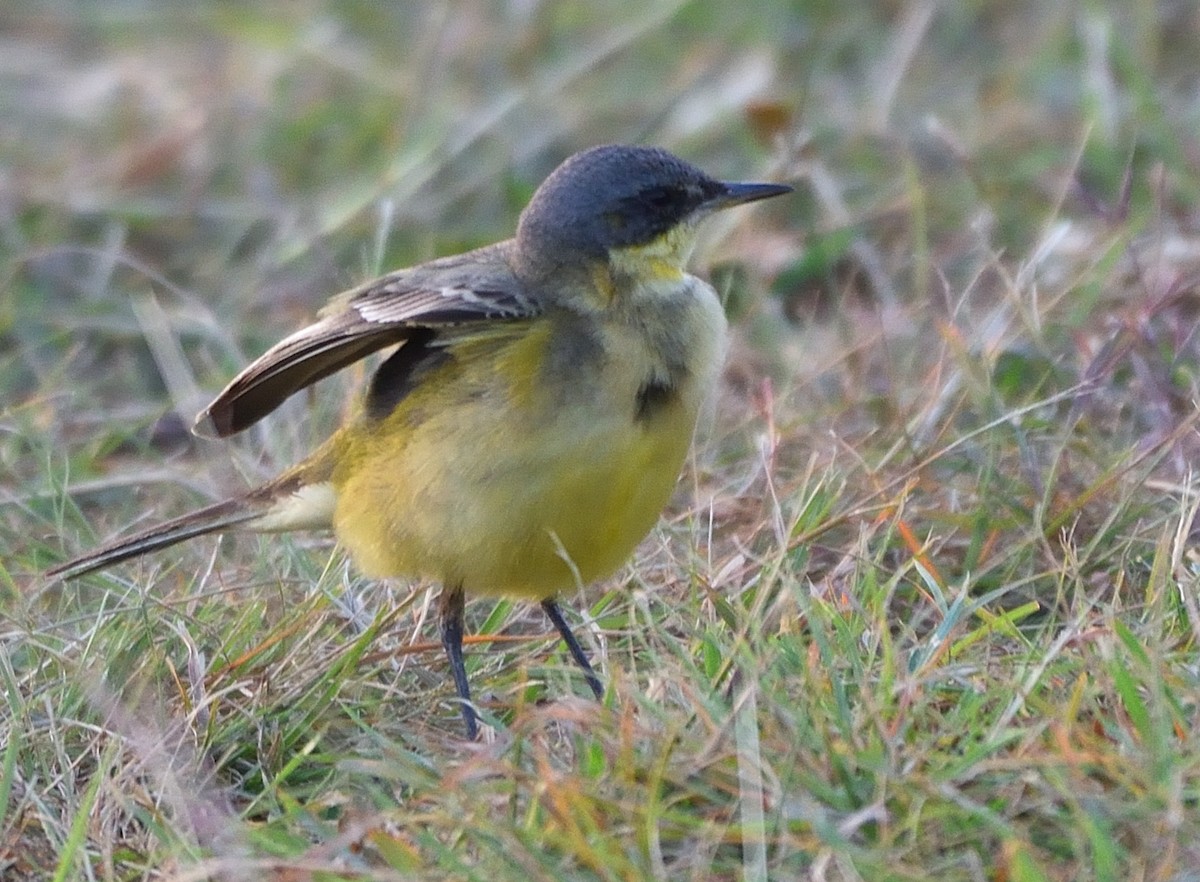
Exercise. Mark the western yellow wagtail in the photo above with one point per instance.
(532, 421)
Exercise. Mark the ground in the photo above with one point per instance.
(925, 605)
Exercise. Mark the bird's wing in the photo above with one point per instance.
(476, 288)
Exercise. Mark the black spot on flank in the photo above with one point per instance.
(652, 399)
(402, 372)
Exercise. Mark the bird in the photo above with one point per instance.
(530, 419)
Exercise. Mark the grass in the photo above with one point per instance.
(926, 603)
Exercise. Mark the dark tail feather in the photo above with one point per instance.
(212, 519)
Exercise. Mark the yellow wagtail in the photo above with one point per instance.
(531, 424)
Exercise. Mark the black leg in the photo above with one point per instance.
(550, 605)
(451, 609)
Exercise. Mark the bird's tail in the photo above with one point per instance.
(287, 503)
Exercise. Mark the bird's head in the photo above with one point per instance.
(631, 209)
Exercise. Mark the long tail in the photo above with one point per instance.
(284, 504)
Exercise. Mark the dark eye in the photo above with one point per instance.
(667, 200)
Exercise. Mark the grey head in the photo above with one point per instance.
(618, 196)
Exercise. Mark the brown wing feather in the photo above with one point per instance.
(467, 289)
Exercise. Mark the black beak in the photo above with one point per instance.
(740, 194)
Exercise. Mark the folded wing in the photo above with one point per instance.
(467, 289)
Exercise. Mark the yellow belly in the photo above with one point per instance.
(490, 477)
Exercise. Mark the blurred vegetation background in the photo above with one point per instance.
(926, 606)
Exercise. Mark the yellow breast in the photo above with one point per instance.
(521, 467)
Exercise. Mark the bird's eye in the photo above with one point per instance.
(615, 220)
(669, 200)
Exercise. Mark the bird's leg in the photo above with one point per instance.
(550, 605)
(451, 620)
